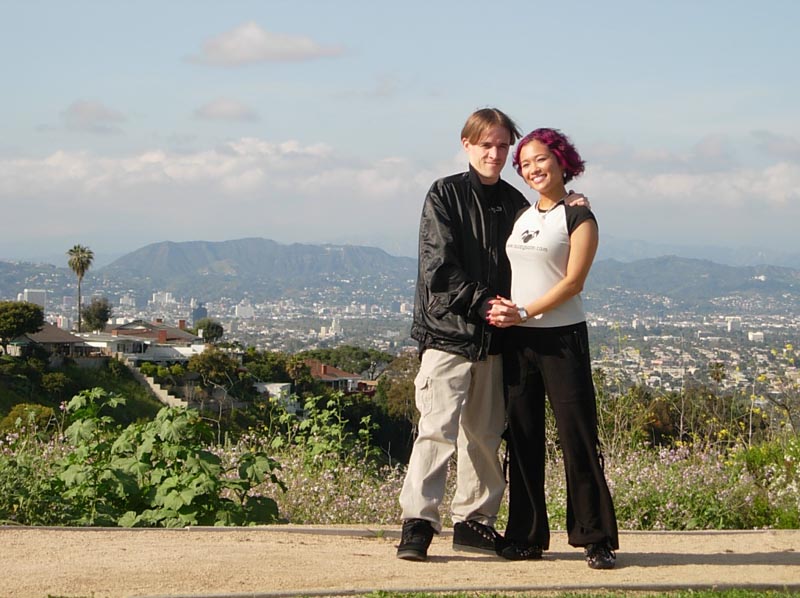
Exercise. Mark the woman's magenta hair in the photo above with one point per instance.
(568, 157)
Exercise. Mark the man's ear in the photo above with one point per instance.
(465, 143)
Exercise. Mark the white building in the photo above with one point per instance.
(162, 298)
(245, 310)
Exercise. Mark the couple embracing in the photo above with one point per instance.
(500, 326)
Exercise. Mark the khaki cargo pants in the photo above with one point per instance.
(461, 410)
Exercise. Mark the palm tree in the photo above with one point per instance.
(80, 260)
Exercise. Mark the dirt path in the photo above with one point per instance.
(287, 560)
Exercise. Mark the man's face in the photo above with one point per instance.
(488, 156)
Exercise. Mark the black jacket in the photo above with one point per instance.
(463, 263)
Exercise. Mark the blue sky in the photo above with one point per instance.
(128, 123)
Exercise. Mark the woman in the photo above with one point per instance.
(551, 250)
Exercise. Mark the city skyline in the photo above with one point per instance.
(312, 122)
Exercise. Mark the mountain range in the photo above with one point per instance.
(253, 263)
(611, 247)
(700, 283)
(628, 250)
(262, 268)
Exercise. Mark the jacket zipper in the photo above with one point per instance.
(491, 254)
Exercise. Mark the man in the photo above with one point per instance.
(466, 219)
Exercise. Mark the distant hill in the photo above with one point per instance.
(699, 284)
(263, 267)
(16, 276)
(628, 250)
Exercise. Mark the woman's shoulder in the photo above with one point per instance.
(576, 215)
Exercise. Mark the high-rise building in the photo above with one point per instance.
(733, 323)
(336, 327)
(37, 296)
(198, 313)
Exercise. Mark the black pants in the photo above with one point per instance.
(554, 362)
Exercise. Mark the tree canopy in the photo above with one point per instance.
(350, 358)
(97, 313)
(212, 330)
(18, 318)
(396, 387)
(216, 368)
(267, 366)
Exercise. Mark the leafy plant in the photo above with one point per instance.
(26, 472)
(181, 482)
(158, 473)
(324, 430)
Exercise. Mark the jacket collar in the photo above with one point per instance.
(479, 187)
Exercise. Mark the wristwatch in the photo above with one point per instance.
(523, 314)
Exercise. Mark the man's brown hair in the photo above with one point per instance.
(485, 118)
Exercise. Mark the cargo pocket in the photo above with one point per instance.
(423, 395)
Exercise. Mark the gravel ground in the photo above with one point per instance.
(290, 560)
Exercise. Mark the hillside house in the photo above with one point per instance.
(148, 341)
(334, 377)
(51, 338)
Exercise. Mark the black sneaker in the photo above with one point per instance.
(514, 551)
(471, 536)
(416, 537)
(600, 556)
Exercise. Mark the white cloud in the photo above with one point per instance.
(227, 110)
(778, 146)
(712, 153)
(765, 188)
(249, 44)
(249, 187)
(291, 191)
(92, 117)
(732, 208)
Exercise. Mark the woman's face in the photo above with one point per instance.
(539, 167)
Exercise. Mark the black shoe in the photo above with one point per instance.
(514, 551)
(416, 537)
(471, 536)
(600, 556)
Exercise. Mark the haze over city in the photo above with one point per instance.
(126, 124)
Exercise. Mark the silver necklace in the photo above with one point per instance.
(543, 213)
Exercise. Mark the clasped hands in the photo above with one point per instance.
(504, 313)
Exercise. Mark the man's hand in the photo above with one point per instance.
(577, 199)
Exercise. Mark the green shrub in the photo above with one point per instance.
(29, 416)
(181, 482)
(159, 473)
(170, 472)
(693, 488)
